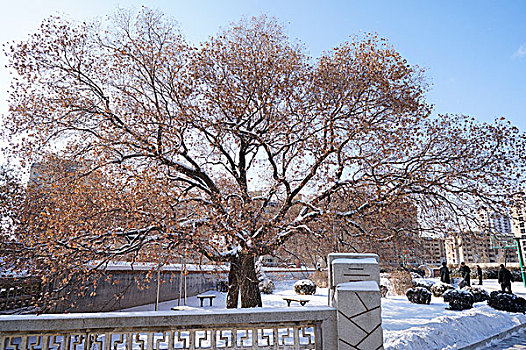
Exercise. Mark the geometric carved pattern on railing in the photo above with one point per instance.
(265, 336)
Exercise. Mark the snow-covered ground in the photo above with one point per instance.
(406, 326)
(412, 326)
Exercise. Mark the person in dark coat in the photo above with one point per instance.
(444, 274)
(479, 274)
(465, 272)
(504, 278)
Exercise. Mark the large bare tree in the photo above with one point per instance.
(234, 147)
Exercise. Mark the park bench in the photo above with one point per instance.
(301, 301)
(202, 297)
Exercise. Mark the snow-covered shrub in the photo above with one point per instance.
(401, 281)
(418, 295)
(458, 299)
(438, 289)
(266, 286)
(478, 293)
(423, 283)
(305, 287)
(491, 274)
(449, 294)
(507, 302)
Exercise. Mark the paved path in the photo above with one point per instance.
(514, 342)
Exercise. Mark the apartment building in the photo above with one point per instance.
(494, 222)
(518, 212)
(479, 248)
(433, 250)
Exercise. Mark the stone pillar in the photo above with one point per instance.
(359, 317)
(354, 290)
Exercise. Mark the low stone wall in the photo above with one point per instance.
(124, 287)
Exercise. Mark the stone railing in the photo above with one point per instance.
(351, 321)
(297, 328)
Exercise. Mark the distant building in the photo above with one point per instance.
(479, 248)
(433, 250)
(50, 170)
(494, 222)
(518, 212)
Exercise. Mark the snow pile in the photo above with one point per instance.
(452, 331)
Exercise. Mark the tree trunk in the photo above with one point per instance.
(250, 294)
(242, 278)
(233, 284)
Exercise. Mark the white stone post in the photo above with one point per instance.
(354, 291)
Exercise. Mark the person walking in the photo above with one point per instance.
(444, 274)
(504, 279)
(465, 272)
(479, 274)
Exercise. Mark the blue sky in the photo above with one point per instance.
(474, 51)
